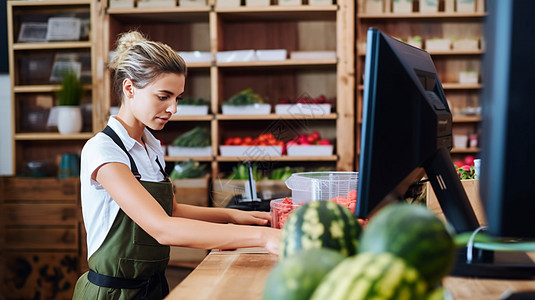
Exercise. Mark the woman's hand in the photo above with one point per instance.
(249, 217)
(272, 237)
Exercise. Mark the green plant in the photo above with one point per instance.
(193, 101)
(245, 97)
(71, 91)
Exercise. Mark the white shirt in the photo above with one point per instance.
(98, 208)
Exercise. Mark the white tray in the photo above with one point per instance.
(250, 151)
(254, 109)
(313, 55)
(236, 55)
(303, 109)
(191, 110)
(310, 150)
(195, 56)
(189, 151)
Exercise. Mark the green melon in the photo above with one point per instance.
(415, 234)
(320, 224)
(371, 276)
(297, 276)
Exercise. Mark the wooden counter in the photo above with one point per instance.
(241, 274)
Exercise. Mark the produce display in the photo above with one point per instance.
(320, 224)
(196, 137)
(188, 169)
(265, 139)
(371, 276)
(465, 168)
(193, 101)
(321, 99)
(299, 275)
(403, 253)
(245, 97)
(414, 233)
(308, 139)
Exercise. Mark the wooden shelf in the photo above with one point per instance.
(49, 2)
(448, 52)
(465, 150)
(162, 14)
(277, 158)
(192, 118)
(448, 86)
(466, 119)
(438, 15)
(331, 116)
(38, 136)
(42, 88)
(199, 65)
(461, 86)
(275, 12)
(52, 45)
(278, 63)
(186, 158)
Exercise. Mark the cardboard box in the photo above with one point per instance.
(471, 187)
(192, 191)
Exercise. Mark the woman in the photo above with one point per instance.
(128, 206)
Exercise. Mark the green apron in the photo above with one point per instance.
(130, 264)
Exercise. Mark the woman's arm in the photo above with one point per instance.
(221, 215)
(143, 209)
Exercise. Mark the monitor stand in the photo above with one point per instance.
(494, 264)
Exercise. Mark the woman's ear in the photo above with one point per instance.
(128, 88)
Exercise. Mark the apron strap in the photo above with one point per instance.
(126, 283)
(111, 133)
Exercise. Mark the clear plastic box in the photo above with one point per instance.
(314, 186)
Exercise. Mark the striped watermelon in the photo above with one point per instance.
(320, 224)
(297, 276)
(371, 276)
(415, 234)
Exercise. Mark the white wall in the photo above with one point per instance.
(5, 126)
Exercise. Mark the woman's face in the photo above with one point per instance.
(154, 104)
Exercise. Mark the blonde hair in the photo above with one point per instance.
(142, 61)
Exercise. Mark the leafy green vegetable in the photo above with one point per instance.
(241, 171)
(187, 169)
(193, 101)
(245, 97)
(283, 173)
(197, 137)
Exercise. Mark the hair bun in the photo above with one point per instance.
(128, 40)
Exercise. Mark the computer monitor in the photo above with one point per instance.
(507, 184)
(406, 131)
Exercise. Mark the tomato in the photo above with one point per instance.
(352, 195)
(229, 141)
(247, 140)
(238, 141)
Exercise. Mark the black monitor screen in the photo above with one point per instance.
(406, 131)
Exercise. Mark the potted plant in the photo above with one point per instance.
(69, 97)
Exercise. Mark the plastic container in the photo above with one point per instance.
(280, 212)
(314, 186)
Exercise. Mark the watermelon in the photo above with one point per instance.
(298, 275)
(371, 276)
(415, 234)
(320, 224)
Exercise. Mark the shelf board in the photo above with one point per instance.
(277, 158)
(37, 136)
(465, 150)
(277, 63)
(331, 116)
(186, 158)
(447, 86)
(199, 65)
(417, 15)
(52, 45)
(275, 12)
(162, 14)
(466, 119)
(47, 88)
(49, 2)
(461, 86)
(448, 52)
(192, 118)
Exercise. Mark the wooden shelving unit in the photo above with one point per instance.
(33, 92)
(448, 63)
(213, 29)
